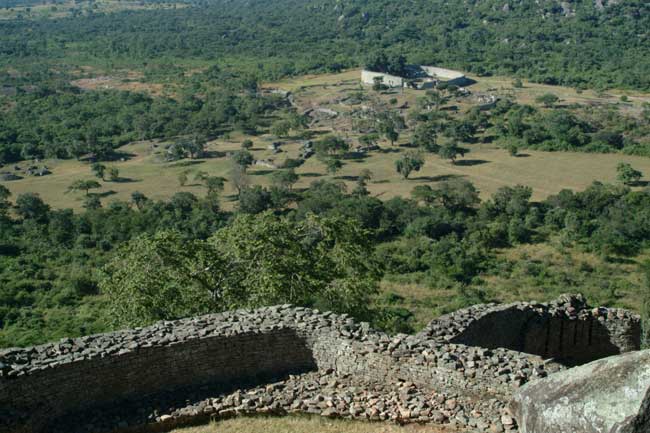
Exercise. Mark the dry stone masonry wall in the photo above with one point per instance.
(461, 370)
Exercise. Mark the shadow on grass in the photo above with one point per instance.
(310, 175)
(211, 154)
(470, 162)
(388, 150)
(351, 178)
(102, 194)
(125, 180)
(260, 172)
(355, 156)
(440, 178)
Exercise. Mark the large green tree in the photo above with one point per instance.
(257, 260)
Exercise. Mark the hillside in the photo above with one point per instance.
(592, 43)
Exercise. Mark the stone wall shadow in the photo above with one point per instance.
(569, 341)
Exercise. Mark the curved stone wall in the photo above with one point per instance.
(457, 370)
(566, 330)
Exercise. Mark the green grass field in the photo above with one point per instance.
(487, 167)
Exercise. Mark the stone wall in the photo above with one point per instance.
(566, 329)
(368, 77)
(476, 355)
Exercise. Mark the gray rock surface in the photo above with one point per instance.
(611, 395)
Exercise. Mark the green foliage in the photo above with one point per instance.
(256, 261)
(163, 277)
(390, 64)
(83, 185)
(451, 151)
(409, 162)
(627, 175)
(254, 199)
(99, 170)
(242, 158)
(645, 308)
(285, 178)
(547, 99)
(319, 261)
(425, 136)
(331, 145)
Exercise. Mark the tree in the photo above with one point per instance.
(92, 202)
(5, 204)
(98, 170)
(331, 145)
(247, 144)
(255, 261)
(242, 158)
(369, 140)
(433, 99)
(322, 262)
(411, 161)
(182, 178)
(239, 178)
(517, 83)
(389, 125)
(163, 276)
(391, 134)
(547, 100)
(254, 199)
(425, 136)
(83, 185)
(360, 189)
(214, 184)
(458, 195)
(177, 150)
(378, 84)
(333, 165)
(281, 128)
(627, 175)
(512, 147)
(138, 199)
(114, 174)
(196, 146)
(31, 206)
(451, 151)
(285, 178)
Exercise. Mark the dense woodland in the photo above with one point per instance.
(65, 273)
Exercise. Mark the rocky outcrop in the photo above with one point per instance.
(179, 371)
(611, 395)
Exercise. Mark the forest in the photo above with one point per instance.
(66, 274)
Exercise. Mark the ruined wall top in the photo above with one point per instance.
(15, 362)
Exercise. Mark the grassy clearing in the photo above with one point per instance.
(531, 272)
(488, 167)
(301, 424)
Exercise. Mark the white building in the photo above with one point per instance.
(420, 77)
